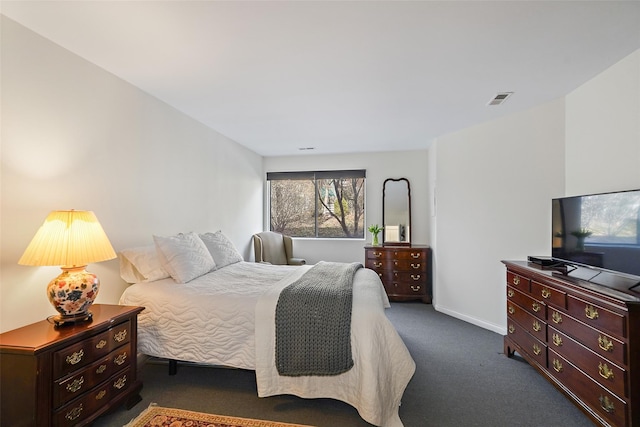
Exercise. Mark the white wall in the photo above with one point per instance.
(77, 137)
(493, 185)
(380, 166)
(603, 131)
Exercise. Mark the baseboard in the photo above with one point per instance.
(502, 330)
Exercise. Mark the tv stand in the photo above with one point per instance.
(582, 336)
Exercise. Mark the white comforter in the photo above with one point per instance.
(227, 317)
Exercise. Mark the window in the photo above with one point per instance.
(326, 204)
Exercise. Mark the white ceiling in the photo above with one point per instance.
(342, 76)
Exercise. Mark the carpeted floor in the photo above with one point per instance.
(462, 379)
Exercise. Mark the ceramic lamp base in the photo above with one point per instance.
(72, 293)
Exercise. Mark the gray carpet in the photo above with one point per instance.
(462, 379)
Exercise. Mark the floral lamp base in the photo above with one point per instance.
(71, 294)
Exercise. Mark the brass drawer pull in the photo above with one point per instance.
(605, 343)
(377, 254)
(536, 349)
(510, 293)
(120, 382)
(120, 359)
(591, 312)
(512, 329)
(557, 340)
(415, 266)
(516, 280)
(101, 394)
(535, 306)
(101, 344)
(415, 288)
(546, 293)
(415, 255)
(74, 413)
(101, 369)
(75, 385)
(536, 326)
(605, 372)
(607, 404)
(75, 358)
(510, 309)
(557, 365)
(556, 317)
(416, 277)
(377, 264)
(120, 336)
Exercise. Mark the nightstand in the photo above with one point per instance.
(70, 375)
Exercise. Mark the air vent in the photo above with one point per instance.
(306, 148)
(500, 98)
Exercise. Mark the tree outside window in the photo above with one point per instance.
(327, 204)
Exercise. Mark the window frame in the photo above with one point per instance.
(315, 176)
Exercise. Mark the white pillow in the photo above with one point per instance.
(221, 248)
(141, 264)
(184, 256)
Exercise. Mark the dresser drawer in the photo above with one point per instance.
(535, 348)
(409, 265)
(409, 255)
(532, 324)
(94, 400)
(408, 277)
(548, 294)
(74, 385)
(378, 264)
(606, 404)
(596, 316)
(377, 254)
(599, 342)
(600, 369)
(533, 306)
(406, 289)
(518, 282)
(85, 352)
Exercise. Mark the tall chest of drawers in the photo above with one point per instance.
(68, 376)
(405, 271)
(584, 338)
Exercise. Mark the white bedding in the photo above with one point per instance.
(212, 320)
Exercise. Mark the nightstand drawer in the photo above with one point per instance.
(83, 353)
(76, 384)
(89, 403)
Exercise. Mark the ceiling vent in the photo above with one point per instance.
(500, 98)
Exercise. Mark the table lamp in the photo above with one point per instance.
(70, 239)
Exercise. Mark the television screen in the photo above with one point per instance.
(598, 230)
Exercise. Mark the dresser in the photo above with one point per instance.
(70, 375)
(405, 271)
(584, 338)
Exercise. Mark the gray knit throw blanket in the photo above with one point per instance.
(313, 322)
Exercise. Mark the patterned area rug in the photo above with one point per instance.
(156, 416)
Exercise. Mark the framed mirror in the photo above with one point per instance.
(396, 212)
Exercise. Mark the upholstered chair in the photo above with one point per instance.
(275, 248)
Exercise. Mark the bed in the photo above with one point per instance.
(226, 317)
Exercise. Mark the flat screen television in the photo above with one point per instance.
(601, 231)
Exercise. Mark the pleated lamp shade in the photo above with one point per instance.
(70, 239)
